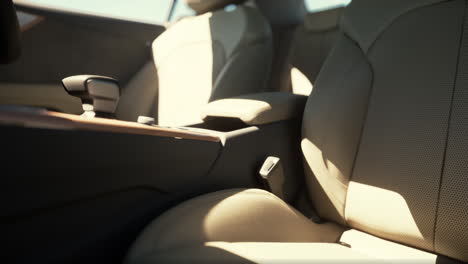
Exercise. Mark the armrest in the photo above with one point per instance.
(258, 109)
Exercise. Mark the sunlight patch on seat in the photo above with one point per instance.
(374, 209)
(300, 83)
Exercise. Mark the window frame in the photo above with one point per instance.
(28, 4)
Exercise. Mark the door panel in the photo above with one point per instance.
(65, 44)
(51, 96)
(57, 44)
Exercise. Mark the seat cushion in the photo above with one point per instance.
(261, 253)
(254, 226)
(229, 216)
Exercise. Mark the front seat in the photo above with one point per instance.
(216, 54)
(385, 148)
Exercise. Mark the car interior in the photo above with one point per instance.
(243, 131)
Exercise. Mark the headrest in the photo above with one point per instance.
(281, 12)
(324, 20)
(203, 6)
(9, 32)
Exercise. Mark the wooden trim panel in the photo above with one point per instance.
(54, 120)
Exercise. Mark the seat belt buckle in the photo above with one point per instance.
(272, 175)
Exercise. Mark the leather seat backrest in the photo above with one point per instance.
(385, 129)
(312, 43)
(213, 55)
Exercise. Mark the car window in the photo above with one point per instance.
(146, 11)
(321, 5)
(181, 10)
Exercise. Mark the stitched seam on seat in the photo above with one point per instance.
(364, 121)
(463, 37)
(366, 54)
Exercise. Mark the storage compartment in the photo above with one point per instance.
(222, 124)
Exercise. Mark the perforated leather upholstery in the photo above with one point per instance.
(384, 142)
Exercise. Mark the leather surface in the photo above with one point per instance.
(280, 12)
(451, 229)
(333, 119)
(229, 216)
(209, 57)
(142, 88)
(313, 42)
(253, 226)
(259, 108)
(214, 215)
(384, 144)
(402, 148)
(386, 250)
(261, 253)
(365, 20)
(323, 21)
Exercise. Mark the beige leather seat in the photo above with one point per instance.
(385, 147)
(214, 55)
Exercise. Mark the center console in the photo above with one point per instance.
(67, 174)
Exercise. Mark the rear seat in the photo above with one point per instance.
(302, 40)
(312, 43)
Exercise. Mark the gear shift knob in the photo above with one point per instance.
(99, 94)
